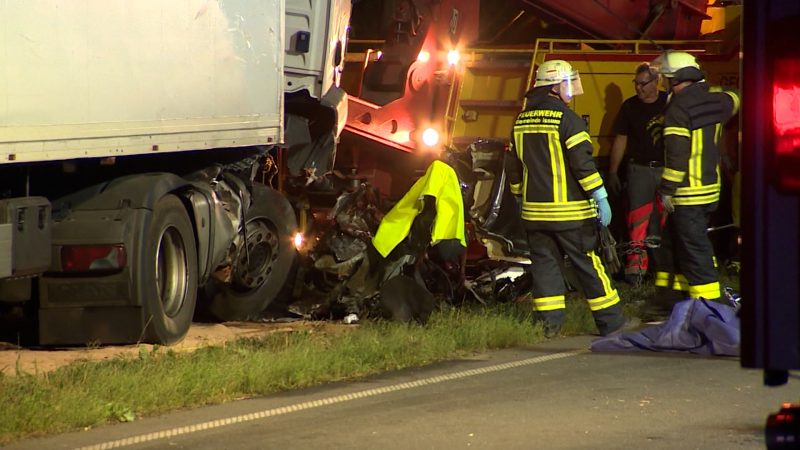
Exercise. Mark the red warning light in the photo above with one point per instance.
(786, 97)
(786, 122)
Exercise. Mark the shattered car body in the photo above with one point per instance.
(342, 271)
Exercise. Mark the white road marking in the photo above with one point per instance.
(165, 434)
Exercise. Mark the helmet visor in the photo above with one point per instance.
(572, 86)
(661, 66)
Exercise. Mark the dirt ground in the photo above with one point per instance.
(200, 335)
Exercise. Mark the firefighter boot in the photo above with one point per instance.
(609, 320)
(658, 308)
(551, 321)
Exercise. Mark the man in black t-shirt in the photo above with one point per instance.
(635, 128)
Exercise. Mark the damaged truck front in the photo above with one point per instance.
(138, 145)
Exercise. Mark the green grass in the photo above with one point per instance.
(88, 394)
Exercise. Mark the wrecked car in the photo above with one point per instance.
(453, 238)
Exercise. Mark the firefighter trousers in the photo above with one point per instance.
(686, 257)
(644, 214)
(548, 249)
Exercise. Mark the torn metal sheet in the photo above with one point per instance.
(418, 269)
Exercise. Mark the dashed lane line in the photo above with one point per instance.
(204, 426)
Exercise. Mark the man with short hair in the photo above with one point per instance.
(645, 159)
(552, 169)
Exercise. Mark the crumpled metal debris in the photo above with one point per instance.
(344, 273)
(356, 217)
(334, 279)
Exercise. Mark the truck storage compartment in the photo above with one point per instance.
(24, 236)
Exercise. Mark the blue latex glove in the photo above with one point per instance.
(603, 208)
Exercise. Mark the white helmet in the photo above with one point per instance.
(554, 72)
(558, 71)
(679, 66)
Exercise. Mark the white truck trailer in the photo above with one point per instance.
(133, 140)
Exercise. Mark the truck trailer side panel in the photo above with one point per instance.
(101, 78)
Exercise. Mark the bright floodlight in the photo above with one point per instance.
(298, 240)
(452, 57)
(430, 137)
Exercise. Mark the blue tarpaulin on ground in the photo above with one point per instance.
(695, 326)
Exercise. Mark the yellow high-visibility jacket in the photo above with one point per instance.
(440, 181)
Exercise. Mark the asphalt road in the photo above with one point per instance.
(555, 396)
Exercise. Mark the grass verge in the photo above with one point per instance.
(87, 394)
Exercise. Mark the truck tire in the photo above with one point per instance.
(166, 274)
(270, 223)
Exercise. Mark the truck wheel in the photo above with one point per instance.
(260, 273)
(167, 273)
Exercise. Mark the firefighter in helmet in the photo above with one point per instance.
(690, 185)
(551, 167)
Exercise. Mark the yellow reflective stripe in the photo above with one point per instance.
(577, 138)
(697, 190)
(556, 210)
(680, 283)
(557, 217)
(524, 188)
(697, 195)
(698, 162)
(717, 133)
(696, 199)
(518, 142)
(692, 155)
(673, 175)
(662, 279)
(676, 131)
(516, 188)
(736, 102)
(524, 181)
(553, 163)
(536, 129)
(591, 182)
(596, 304)
(573, 205)
(549, 303)
(601, 272)
(696, 158)
(518, 147)
(560, 170)
(546, 211)
(708, 291)
(556, 155)
(714, 260)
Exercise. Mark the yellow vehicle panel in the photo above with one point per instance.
(494, 82)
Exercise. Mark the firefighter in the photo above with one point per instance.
(690, 186)
(551, 167)
(644, 168)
